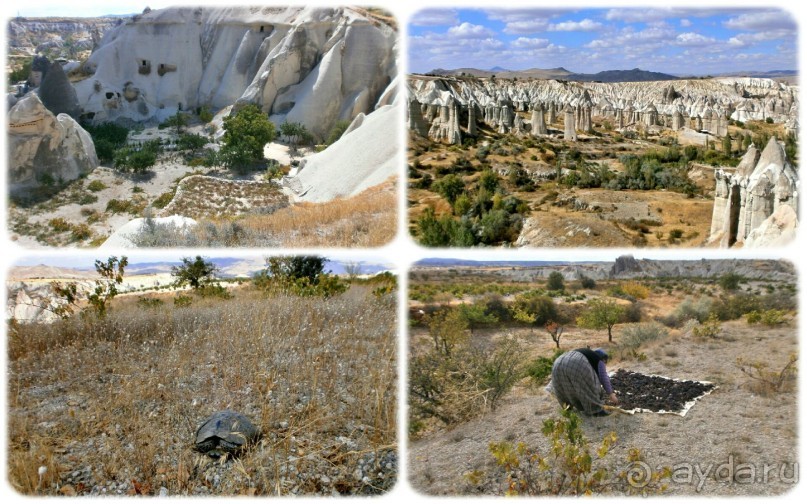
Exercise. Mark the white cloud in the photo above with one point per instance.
(524, 15)
(686, 23)
(766, 20)
(434, 17)
(691, 39)
(630, 38)
(749, 39)
(526, 27)
(530, 43)
(584, 25)
(470, 31)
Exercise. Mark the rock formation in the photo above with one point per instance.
(747, 198)
(416, 121)
(472, 119)
(314, 66)
(42, 145)
(57, 94)
(625, 264)
(569, 132)
(537, 122)
(702, 104)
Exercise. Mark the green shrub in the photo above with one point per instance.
(213, 291)
(689, 309)
(149, 303)
(59, 225)
(337, 131)
(634, 335)
(541, 368)
(205, 115)
(182, 300)
(709, 329)
(96, 185)
(163, 199)
(80, 232)
(753, 317)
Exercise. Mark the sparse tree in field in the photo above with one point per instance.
(106, 289)
(601, 314)
(194, 272)
(475, 316)
(730, 281)
(296, 267)
(727, 145)
(556, 282)
(555, 330)
(447, 329)
(587, 282)
(533, 309)
(353, 269)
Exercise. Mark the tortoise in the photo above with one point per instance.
(225, 432)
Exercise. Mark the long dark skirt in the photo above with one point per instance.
(576, 384)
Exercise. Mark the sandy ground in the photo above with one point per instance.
(731, 426)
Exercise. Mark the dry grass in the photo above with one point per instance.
(111, 406)
(200, 196)
(366, 220)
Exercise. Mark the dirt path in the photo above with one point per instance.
(733, 426)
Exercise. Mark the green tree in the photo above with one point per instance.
(449, 187)
(533, 308)
(448, 329)
(730, 281)
(601, 314)
(556, 282)
(295, 267)
(727, 145)
(194, 272)
(489, 180)
(191, 142)
(177, 121)
(476, 316)
(587, 282)
(106, 288)
(245, 134)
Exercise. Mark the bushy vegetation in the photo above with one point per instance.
(137, 159)
(570, 466)
(456, 379)
(483, 213)
(337, 131)
(299, 275)
(108, 138)
(245, 134)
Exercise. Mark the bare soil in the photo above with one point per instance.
(734, 425)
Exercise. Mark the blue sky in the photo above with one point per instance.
(677, 41)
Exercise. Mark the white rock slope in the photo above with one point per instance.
(366, 155)
(310, 65)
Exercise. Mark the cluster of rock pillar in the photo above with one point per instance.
(442, 122)
(762, 184)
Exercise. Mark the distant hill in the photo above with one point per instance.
(439, 262)
(635, 75)
(560, 73)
